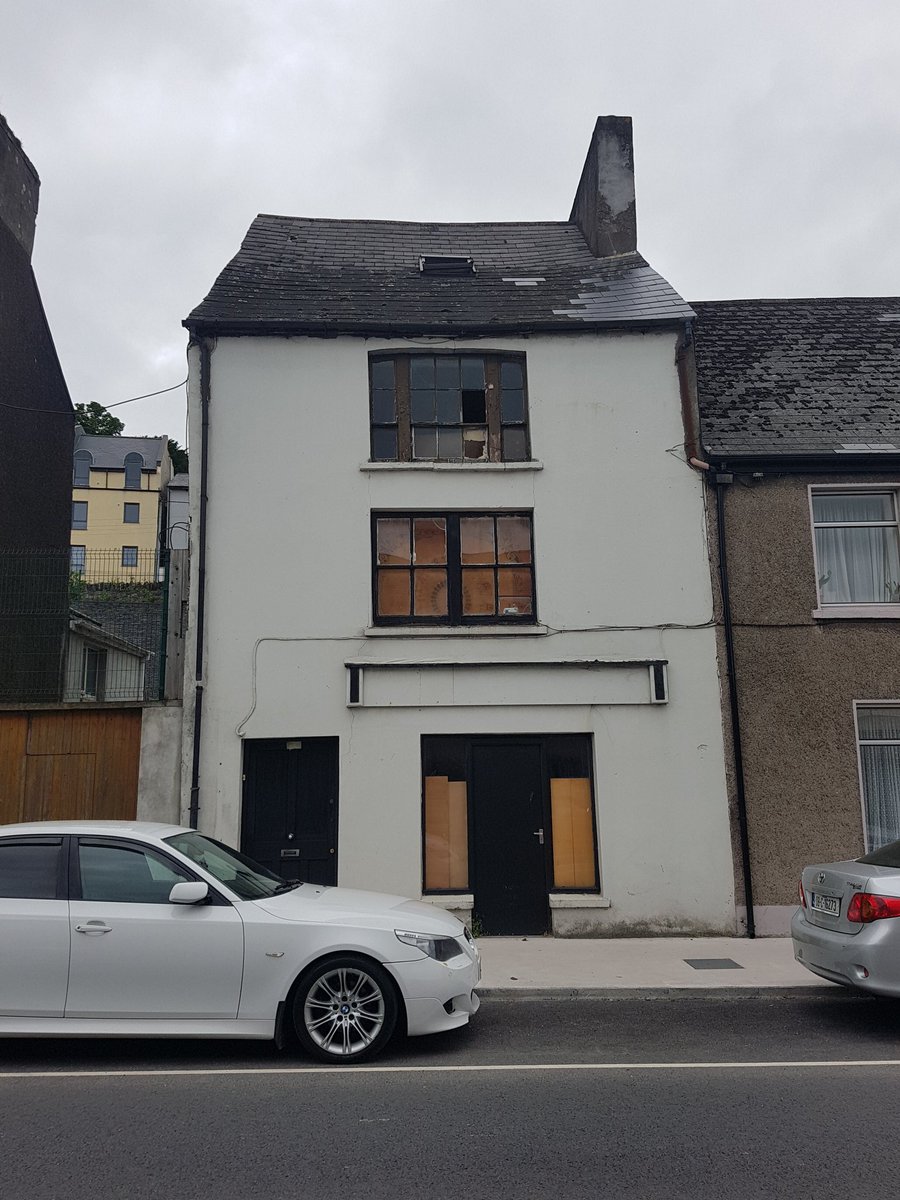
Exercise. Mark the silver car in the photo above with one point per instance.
(845, 929)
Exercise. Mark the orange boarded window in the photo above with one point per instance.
(573, 833)
(446, 834)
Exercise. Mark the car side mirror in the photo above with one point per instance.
(188, 893)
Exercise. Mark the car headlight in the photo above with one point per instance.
(440, 948)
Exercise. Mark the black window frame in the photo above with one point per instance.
(403, 425)
(136, 556)
(57, 840)
(79, 521)
(135, 506)
(455, 618)
(76, 567)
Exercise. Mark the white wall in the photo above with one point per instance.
(620, 553)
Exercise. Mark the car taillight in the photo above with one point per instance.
(866, 907)
(801, 893)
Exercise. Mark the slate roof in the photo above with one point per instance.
(109, 452)
(302, 274)
(799, 377)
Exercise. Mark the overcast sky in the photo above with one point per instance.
(767, 143)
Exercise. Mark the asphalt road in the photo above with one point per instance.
(627, 1099)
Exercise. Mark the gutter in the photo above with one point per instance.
(205, 355)
(721, 480)
(291, 327)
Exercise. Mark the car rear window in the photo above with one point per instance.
(28, 870)
(884, 856)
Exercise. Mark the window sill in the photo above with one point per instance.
(436, 631)
(858, 612)
(578, 900)
(464, 901)
(533, 465)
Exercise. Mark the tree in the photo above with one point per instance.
(179, 457)
(94, 418)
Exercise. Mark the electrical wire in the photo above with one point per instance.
(58, 412)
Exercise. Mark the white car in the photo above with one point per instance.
(132, 928)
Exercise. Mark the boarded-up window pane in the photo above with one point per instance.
(476, 539)
(478, 593)
(393, 542)
(446, 834)
(393, 593)
(514, 590)
(430, 540)
(573, 833)
(513, 540)
(431, 593)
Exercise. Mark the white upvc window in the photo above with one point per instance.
(857, 550)
(878, 748)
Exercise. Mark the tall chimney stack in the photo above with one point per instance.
(19, 186)
(604, 208)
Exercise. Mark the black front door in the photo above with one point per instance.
(289, 818)
(509, 856)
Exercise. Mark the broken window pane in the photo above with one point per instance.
(431, 593)
(478, 592)
(514, 539)
(393, 593)
(473, 406)
(475, 443)
(430, 545)
(424, 443)
(384, 445)
(476, 540)
(515, 445)
(393, 541)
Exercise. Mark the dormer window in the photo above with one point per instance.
(81, 470)
(465, 408)
(134, 464)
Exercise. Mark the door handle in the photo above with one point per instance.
(93, 927)
(539, 834)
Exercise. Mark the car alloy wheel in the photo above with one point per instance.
(345, 1009)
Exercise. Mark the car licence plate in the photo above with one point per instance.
(827, 904)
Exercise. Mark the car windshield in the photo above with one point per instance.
(245, 877)
(884, 856)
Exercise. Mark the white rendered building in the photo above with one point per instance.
(451, 598)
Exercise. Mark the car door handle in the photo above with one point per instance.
(93, 927)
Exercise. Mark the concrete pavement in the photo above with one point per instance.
(525, 967)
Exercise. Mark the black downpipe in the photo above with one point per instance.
(721, 484)
(194, 812)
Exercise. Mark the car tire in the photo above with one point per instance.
(345, 1009)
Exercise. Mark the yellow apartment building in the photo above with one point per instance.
(118, 506)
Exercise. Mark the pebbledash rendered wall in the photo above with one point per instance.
(798, 678)
(621, 572)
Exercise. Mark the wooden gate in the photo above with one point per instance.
(68, 765)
